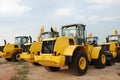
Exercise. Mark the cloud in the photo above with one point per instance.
(96, 19)
(112, 18)
(97, 11)
(104, 2)
(64, 12)
(12, 8)
(85, 19)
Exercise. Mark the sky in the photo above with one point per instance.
(25, 17)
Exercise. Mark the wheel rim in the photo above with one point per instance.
(103, 58)
(82, 63)
(18, 56)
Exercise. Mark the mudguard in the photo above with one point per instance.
(70, 50)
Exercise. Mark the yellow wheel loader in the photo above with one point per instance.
(72, 50)
(11, 52)
(35, 48)
(94, 42)
(112, 48)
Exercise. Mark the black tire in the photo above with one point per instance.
(98, 62)
(74, 66)
(15, 56)
(8, 59)
(109, 59)
(36, 64)
(52, 69)
(118, 56)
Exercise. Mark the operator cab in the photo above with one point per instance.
(92, 40)
(77, 31)
(113, 38)
(21, 40)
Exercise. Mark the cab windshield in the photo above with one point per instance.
(113, 38)
(69, 31)
(46, 35)
(92, 39)
(21, 40)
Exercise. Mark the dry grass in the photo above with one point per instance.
(21, 71)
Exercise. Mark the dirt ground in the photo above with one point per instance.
(7, 70)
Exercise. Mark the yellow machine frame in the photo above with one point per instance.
(64, 51)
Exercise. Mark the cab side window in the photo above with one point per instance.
(71, 42)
